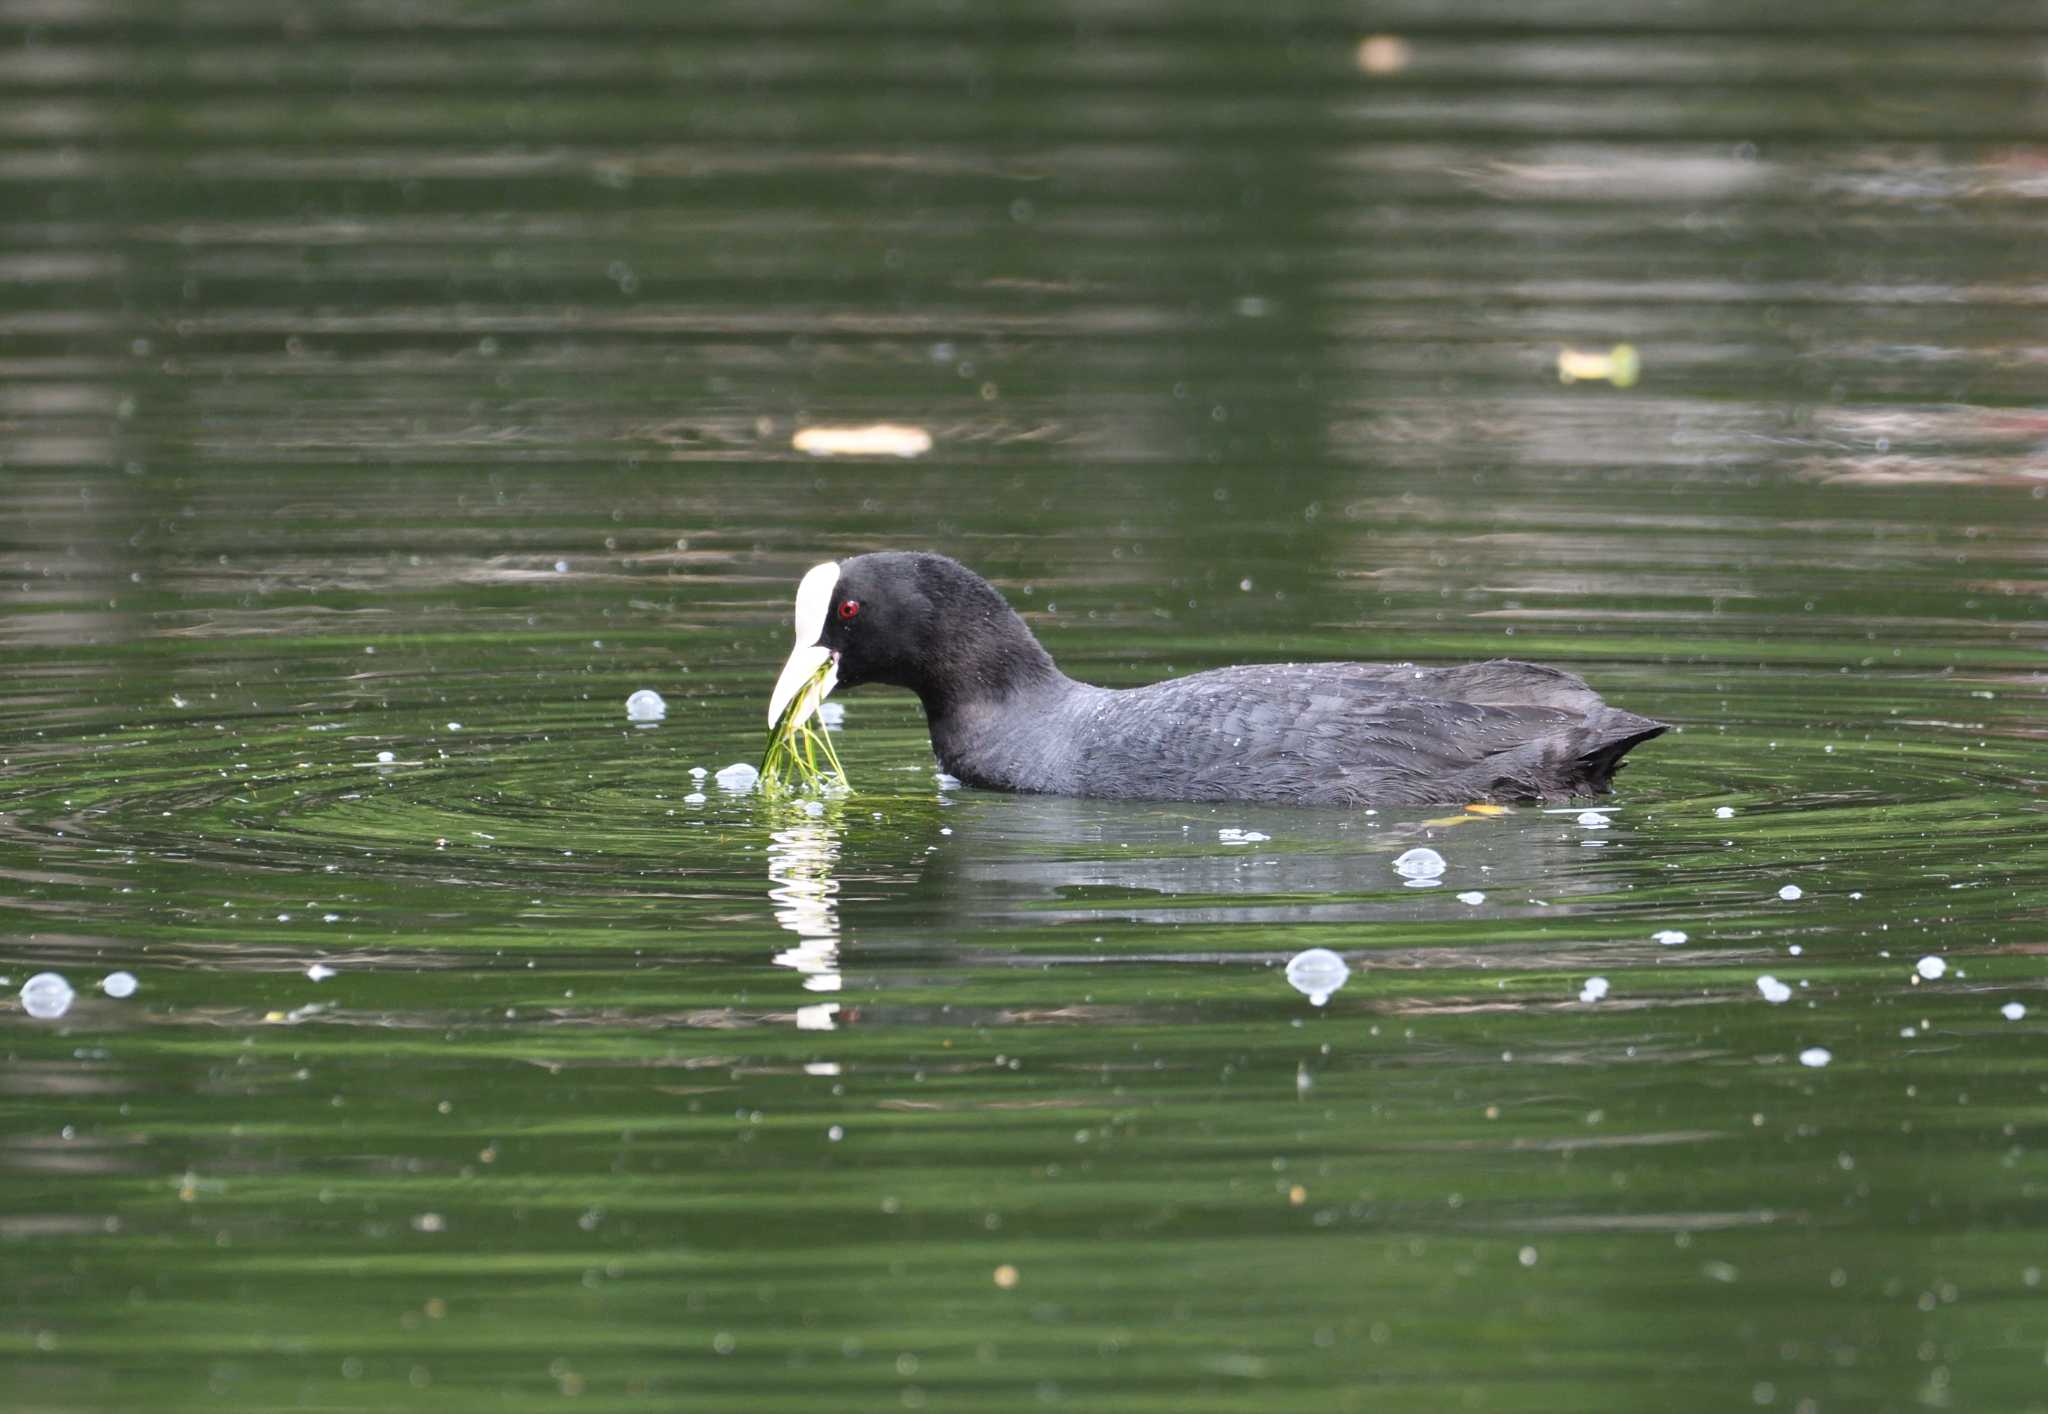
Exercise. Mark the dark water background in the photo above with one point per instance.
(372, 368)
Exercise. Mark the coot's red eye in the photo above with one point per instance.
(849, 608)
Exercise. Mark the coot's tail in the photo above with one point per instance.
(1601, 741)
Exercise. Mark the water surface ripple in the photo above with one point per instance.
(386, 394)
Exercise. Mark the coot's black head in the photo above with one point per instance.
(909, 619)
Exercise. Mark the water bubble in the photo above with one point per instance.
(695, 797)
(118, 984)
(738, 778)
(385, 758)
(1669, 937)
(1773, 990)
(2012, 1011)
(1422, 867)
(1594, 820)
(1594, 990)
(1233, 836)
(1816, 1056)
(1473, 897)
(319, 972)
(1791, 892)
(46, 996)
(1931, 967)
(646, 705)
(832, 714)
(1316, 973)
(1724, 812)
(455, 726)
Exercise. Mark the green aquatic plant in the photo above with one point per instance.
(799, 755)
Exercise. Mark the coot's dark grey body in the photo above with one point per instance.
(1002, 715)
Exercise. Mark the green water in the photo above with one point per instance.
(421, 380)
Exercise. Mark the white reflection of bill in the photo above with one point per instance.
(805, 895)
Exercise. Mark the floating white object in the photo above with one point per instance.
(2012, 1011)
(1594, 990)
(1473, 897)
(695, 797)
(646, 705)
(1724, 812)
(319, 972)
(1791, 892)
(46, 996)
(1316, 973)
(1931, 967)
(1816, 1056)
(945, 781)
(1421, 865)
(1232, 836)
(385, 758)
(739, 777)
(832, 714)
(118, 984)
(1669, 937)
(1620, 365)
(817, 1017)
(1774, 991)
(877, 439)
(1594, 820)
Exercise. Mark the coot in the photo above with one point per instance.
(1003, 716)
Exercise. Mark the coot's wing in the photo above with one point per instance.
(1359, 733)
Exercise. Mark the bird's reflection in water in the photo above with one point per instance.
(805, 895)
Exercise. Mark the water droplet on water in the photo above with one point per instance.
(385, 758)
(1473, 897)
(1791, 892)
(739, 777)
(46, 996)
(1816, 1056)
(1724, 812)
(646, 705)
(1422, 867)
(319, 972)
(1669, 937)
(118, 984)
(1594, 990)
(1773, 990)
(1931, 967)
(1316, 974)
(2012, 1011)
(1594, 820)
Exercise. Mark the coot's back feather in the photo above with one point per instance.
(1003, 716)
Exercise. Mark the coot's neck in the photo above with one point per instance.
(994, 674)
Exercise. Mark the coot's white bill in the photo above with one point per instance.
(813, 602)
